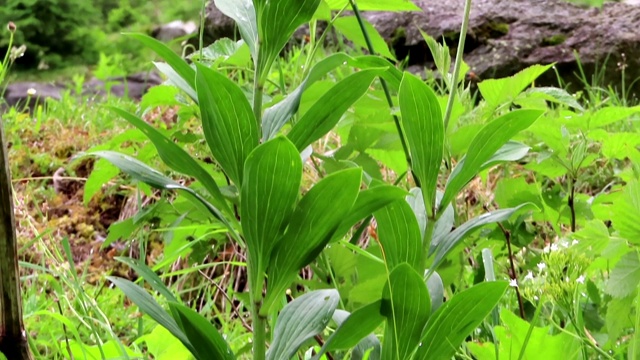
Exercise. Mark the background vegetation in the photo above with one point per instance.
(552, 209)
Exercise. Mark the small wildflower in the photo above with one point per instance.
(541, 266)
(580, 279)
(31, 91)
(529, 276)
(574, 242)
(554, 247)
(11, 26)
(513, 283)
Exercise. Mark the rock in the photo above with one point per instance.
(27, 95)
(506, 36)
(30, 94)
(174, 30)
(131, 86)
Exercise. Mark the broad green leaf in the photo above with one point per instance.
(399, 235)
(142, 172)
(149, 276)
(300, 320)
(424, 130)
(199, 331)
(367, 203)
(277, 115)
(556, 95)
(625, 276)
(416, 202)
(498, 91)
(312, 225)
(625, 214)
(407, 305)
(457, 318)
(228, 123)
(149, 306)
(483, 147)
(244, 15)
(449, 241)
(175, 157)
(273, 172)
(376, 5)
(277, 21)
(350, 28)
(164, 346)
(436, 291)
(108, 350)
(358, 325)
(511, 151)
(328, 110)
(617, 318)
(540, 343)
(179, 65)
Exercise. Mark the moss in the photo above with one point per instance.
(499, 28)
(553, 40)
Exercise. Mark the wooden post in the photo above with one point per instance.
(13, 339)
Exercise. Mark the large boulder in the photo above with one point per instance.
(506, 36)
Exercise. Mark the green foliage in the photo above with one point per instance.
(55, 32)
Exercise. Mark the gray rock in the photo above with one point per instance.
(174, 30)
(30, 94)
(131, 86)
(506, 36)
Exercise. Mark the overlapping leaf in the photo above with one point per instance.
(399, 235)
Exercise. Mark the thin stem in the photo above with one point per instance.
(571, 202)
(458, 63)
(385, 88)
(258, 88)
(259, 331)
(512, 271)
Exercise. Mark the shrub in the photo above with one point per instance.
(56, 32)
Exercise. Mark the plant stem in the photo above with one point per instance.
(571, 202)
(259, 331)
(457, 64)
(385, 88)
(512, 272)
(258, 88)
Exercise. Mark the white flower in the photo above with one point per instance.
(513, 283)
(574, 242)
(31, 91)
(541, 266)
(580, 280)
(554, 247)
(529, 276)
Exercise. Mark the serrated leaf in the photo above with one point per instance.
(300, 320)
(449, 241)
(424, 130)
(349, 26)
(399, 235)
(199, 331)
(556, 95)
(498, 91)
(625, 276)
(483, 147)
(407, 305)
(625, 214)
(244, 15)
(175, 157)
(273, 173)
(228, 123)
(457, 318)
(312, 225)
(325, 113)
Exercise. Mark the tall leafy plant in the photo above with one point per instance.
(283, 231)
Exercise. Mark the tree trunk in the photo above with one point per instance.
(13, 339)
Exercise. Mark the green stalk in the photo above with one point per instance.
(259, 330)
(385, 88)
(258, 88)
(458, 63)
